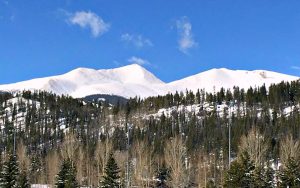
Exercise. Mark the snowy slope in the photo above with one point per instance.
(217, 78)
(128, 81)
(133, 80)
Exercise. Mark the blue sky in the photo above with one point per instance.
(172, 39)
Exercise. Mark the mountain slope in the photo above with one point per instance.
(217, 78)
(128, 81)
(134, 80)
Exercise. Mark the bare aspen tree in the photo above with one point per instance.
(148, 168)
(256, 145)
(80, 164)
(202, 168)
(94, 179)
(102, 152)
(89, 167)
(69, 147)
(175, 155)
(137, 152)
(143, 173)
(23, 158)
(289, 148)
(221, 167)
(52, 166)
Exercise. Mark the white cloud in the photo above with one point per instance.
(137, 60)
(295, 67)
(91, 20)
(186, 40)
(137, 40)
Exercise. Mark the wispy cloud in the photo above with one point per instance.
(139, 61)
(186, 40)
(295, 67)
(88, 19)
(137, 40)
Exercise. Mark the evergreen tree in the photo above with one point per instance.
(111, 178)
(66, 178)
(259, 178)
(269, 177)
(263, 177)
(240, 173)
(35, 168)
(23, 181)
(10, 172)
(290, 175)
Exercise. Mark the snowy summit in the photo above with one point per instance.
(134, 80)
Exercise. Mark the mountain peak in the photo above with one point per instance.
(134, 80)
(133, 67)
(128, 81)
(214, 79)
(135, 73)
(81, 69)
(221, 69)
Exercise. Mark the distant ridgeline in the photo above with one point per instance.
(110, 99)
(50, 128)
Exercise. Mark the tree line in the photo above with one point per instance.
(181, 149)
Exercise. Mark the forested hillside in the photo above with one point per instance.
(176, 140)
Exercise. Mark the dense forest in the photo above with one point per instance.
(228, 138)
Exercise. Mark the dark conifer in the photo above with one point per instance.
(10, 173)
(111, 178)
(241, 172)
(66, 178)
(290, 174)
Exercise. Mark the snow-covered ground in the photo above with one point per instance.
(20, 105)
(200, 110)
(40, 186)
(134, 80)
(223, 109)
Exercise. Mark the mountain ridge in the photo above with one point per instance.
(134, 80)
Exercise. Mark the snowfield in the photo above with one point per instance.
(214, 79)
(134, 80)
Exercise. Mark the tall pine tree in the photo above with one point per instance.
(264, 177)
(290, 174)
(66, 178)
(241, 172)
(10, 173)
(111, 178)
(23, 181)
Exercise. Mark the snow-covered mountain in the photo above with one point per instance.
(217, 78)
(134, 80)
(128, 81)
